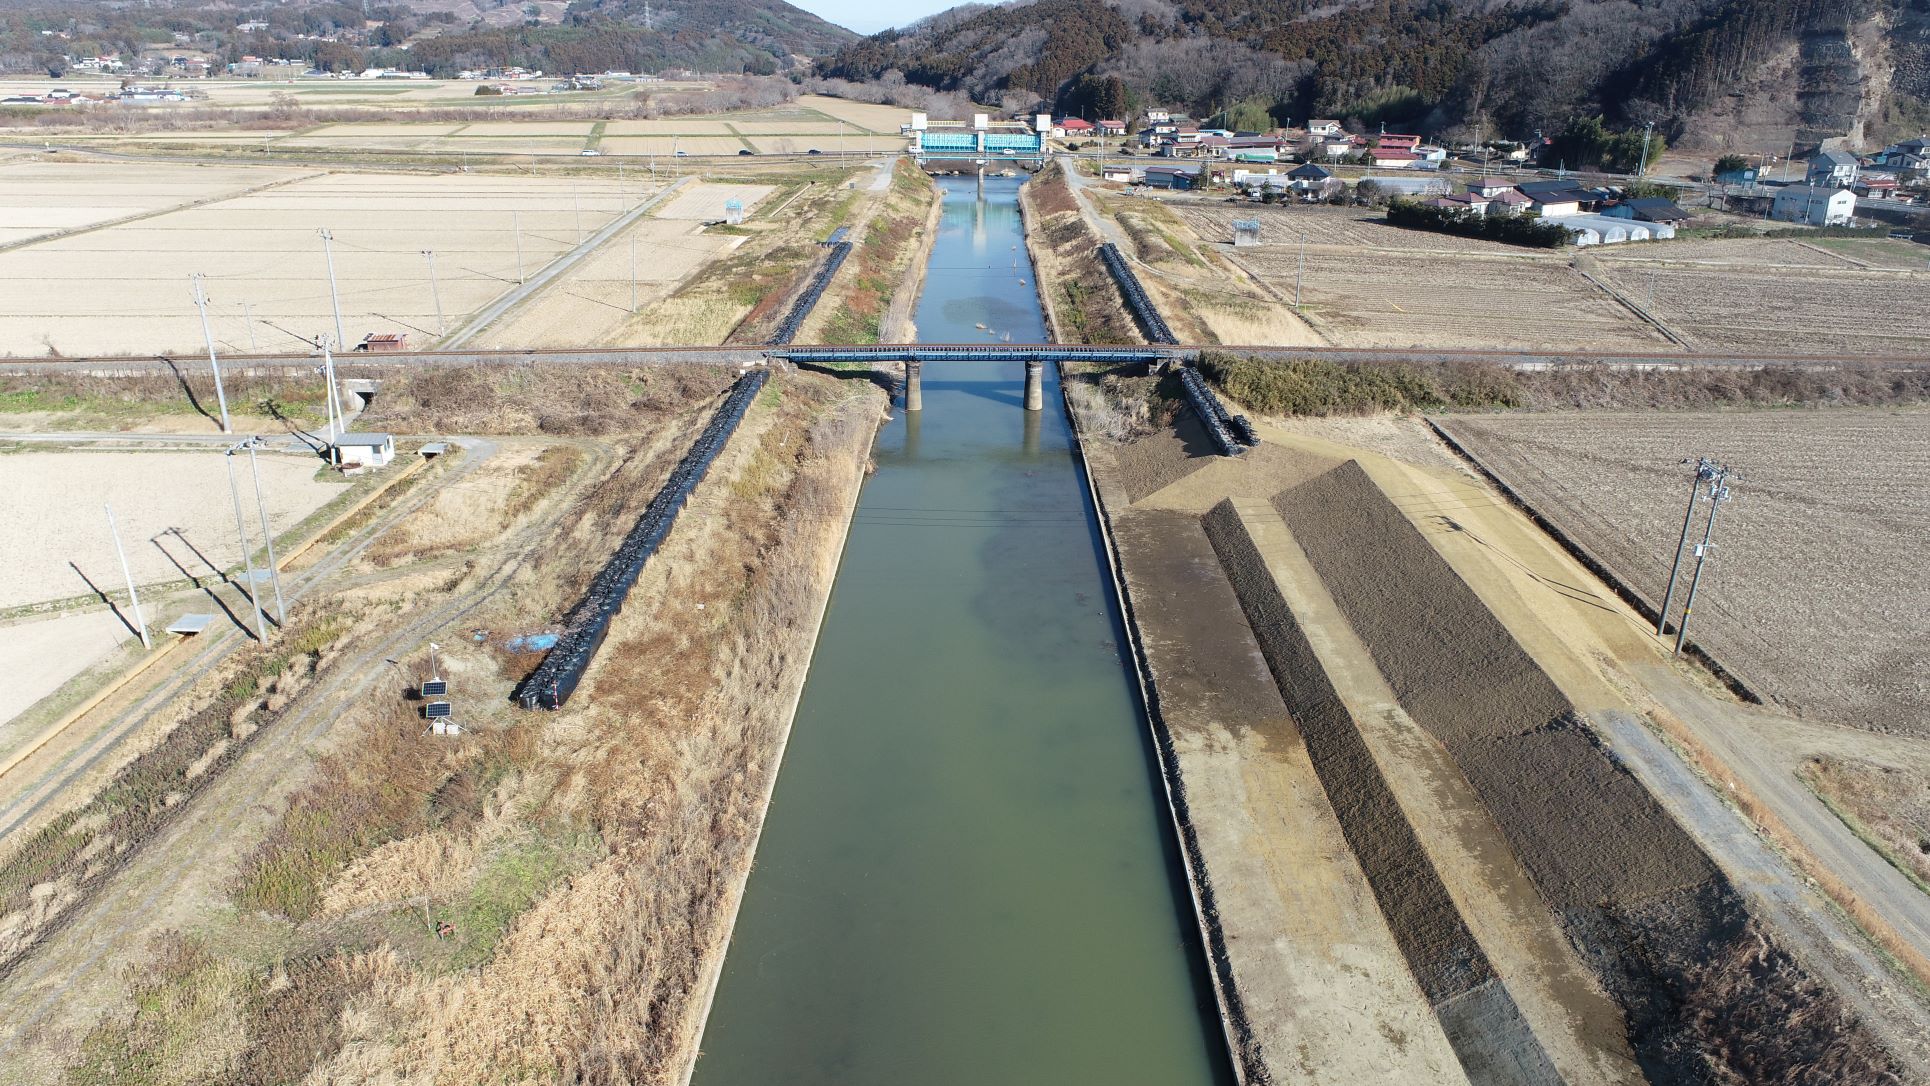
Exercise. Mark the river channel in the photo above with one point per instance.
(967, 873)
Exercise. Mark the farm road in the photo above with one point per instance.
(1784, 897)
(557, 267)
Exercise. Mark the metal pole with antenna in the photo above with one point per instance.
(133, 596)
(576, 203)
(248, 315)
(334, 297)
(267, 532)
(1718, 493)
(220, 395)
(633, 272)
(247, 552)
(1705, 470)
(435, 292)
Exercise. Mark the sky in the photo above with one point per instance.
(871, 16)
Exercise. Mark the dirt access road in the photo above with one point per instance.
(76, 971)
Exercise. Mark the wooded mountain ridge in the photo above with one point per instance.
(757, 36)
(1513, 66)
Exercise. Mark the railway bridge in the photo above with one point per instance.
(914, 357)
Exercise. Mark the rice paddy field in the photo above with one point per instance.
(124, 289)
(827, 125)
(1371, 284)
(41, 198)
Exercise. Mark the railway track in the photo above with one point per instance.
(740, 355)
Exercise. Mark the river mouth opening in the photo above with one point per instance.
(968, 872)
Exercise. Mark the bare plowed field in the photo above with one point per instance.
(63, 549)
(1756, 252)
(40, 198)
(1354, 227)
(125, 289)
(704, 201)
(592, 303)
(1749, 308)
(1815, 595)
(1439, 300)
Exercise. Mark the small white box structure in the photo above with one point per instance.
(733, 211)
(1246, 232)
(356, 452)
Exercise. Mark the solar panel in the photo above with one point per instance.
(436, 710)
(435, 688)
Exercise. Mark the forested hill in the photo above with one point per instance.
(438, 36)
(1514, 65)
(760, 36)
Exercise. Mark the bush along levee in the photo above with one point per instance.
(1509, 229)
(1316, 386)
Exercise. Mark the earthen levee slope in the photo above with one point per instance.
(1705, 987)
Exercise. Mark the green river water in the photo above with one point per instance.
(967, 873)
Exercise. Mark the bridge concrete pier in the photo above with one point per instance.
(1034, 385)
(914, 385)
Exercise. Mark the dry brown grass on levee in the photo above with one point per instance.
(1887, 804)
(1064, 248)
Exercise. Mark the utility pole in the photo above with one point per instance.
(334, 390)
(1705, 470)
(248, 316)
(516, 227)
(267, 532)
(334, 297)
(1718, 493)
(633, 271)
(247, 552)
(201, 303)
(1300, 273)
(133, 596)
(435, 292)
(576, 201)
(1643, 169)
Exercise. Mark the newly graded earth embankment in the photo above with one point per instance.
(1415, 850)
(1478, 1015)
(1706, 989)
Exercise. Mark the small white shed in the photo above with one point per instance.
(353, 452)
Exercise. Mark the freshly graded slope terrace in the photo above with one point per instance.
(1706, 989)
(1478, 1014)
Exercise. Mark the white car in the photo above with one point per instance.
(589, 152)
